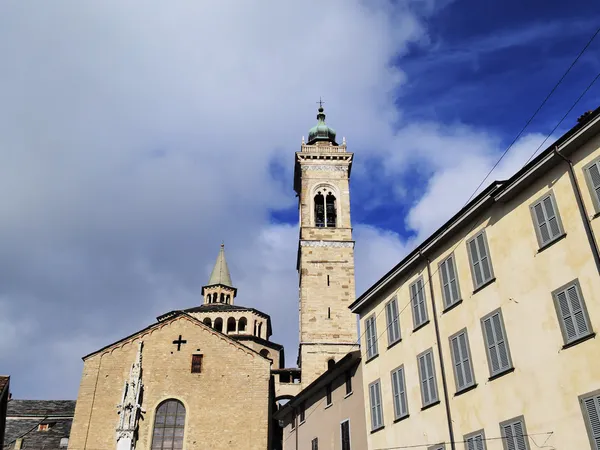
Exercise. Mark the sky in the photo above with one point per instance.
(137, 136)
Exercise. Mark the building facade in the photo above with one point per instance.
(328, 330)
(329, 413)
(484, 337)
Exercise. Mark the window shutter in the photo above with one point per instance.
(378, 405)
(475, 442)
(430, 376)
(428, 386)
(421, 294)
(573, 317)
(592, 408)
(480, 260)
(399, 391)
(496, 343)
(462, 362)
(546, 220)
(371, 336)
(345, 431)
(594, 172)
(418, 302)
(393, 327)
(373, 399)
(449, 283)
(424, 385)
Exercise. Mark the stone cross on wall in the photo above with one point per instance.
(129, 410)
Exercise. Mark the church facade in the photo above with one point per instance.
(209, 376)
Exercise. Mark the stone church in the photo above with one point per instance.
(209, 377)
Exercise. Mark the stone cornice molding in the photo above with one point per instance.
(334, 244)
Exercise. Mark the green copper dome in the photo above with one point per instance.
(321, 132)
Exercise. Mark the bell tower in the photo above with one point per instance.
(328, 329)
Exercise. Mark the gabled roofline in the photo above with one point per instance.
(349, 360)
(494, 192)
(177, 314)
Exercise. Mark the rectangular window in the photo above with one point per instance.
(494, 334)
(348, 383)
(461, 356)
(302, 413)
(196, 363)
(328, 394)
(546, 219)
(572, 313)
(393, 325)
(293, 420)
(514, 434)
(399, 392)
(417, 299)
(429, 394)
(590, 405)
(449, 281)
(592, 172)
(375, 404)
(437, 447)
(345, 434)
(479, 255)
(371, 337)
(475, 441)
(315, 444)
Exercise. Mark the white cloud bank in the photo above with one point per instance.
(135, 136)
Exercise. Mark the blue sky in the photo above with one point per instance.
(135, 137)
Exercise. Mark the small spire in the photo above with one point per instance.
(303, 140)
(344, 140)
(220, 273)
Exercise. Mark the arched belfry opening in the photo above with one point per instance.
(325, 205)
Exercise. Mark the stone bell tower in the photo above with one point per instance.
(328, 329)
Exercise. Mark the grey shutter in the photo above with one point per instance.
(475, 442)
(592, 409)
(570, 305)
(514, 438)
(375, 400)
(480, 260)
(428, 385)
(399, 391)
(418, 302)
(371, 335)
(594, 173)
(393, 327)
(496, 343)
(462, 362)
(547, 222)
(449, 282)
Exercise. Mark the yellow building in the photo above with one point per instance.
(484, 336)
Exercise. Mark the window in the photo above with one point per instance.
(592, 172)
(196, 363)
(371, 336)
(494, 334)
(243, 322)
(330, 363)
(481, 266)
(590, 405)
(315, 444)
(43, 427)
(169, 424)
(345, 434)
(548, 226)
(64, 442)
(437, 447)
(399, 392)
(417, 299)
(302, 413)
(231, 325)
(207, 321)
(348, 383)
(450, 288)
(293, 420)
(429, 393)
(461, 356)
(475, 441)
(514, 434)
(572, 313)
(219, 324)
(325, 210)
(375, 403)
(328, 394)
(393, 326)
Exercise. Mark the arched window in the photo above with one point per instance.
(330, 364)
(231, 325)
(207, 321)
(264, 352)
(219, 324)
(169, 425)
(227, 299)
(330, 210)
(319, 210)
(259, 330)
(242, 324)
(215, 297)
(222, 298)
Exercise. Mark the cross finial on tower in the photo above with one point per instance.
(320, 102)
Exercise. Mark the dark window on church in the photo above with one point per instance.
(219, 324)
(196, 363)
(330, 210)
(215, 297)
(330, 364)
(231, 325)
(302, 413)
(315, 444)
(169, 424)
(319, 210)
(328, 394)
(242, 324)
(207, 321)
(345, 432)
(348, 383)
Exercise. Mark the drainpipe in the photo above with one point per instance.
(441, 357)
(584, 215)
